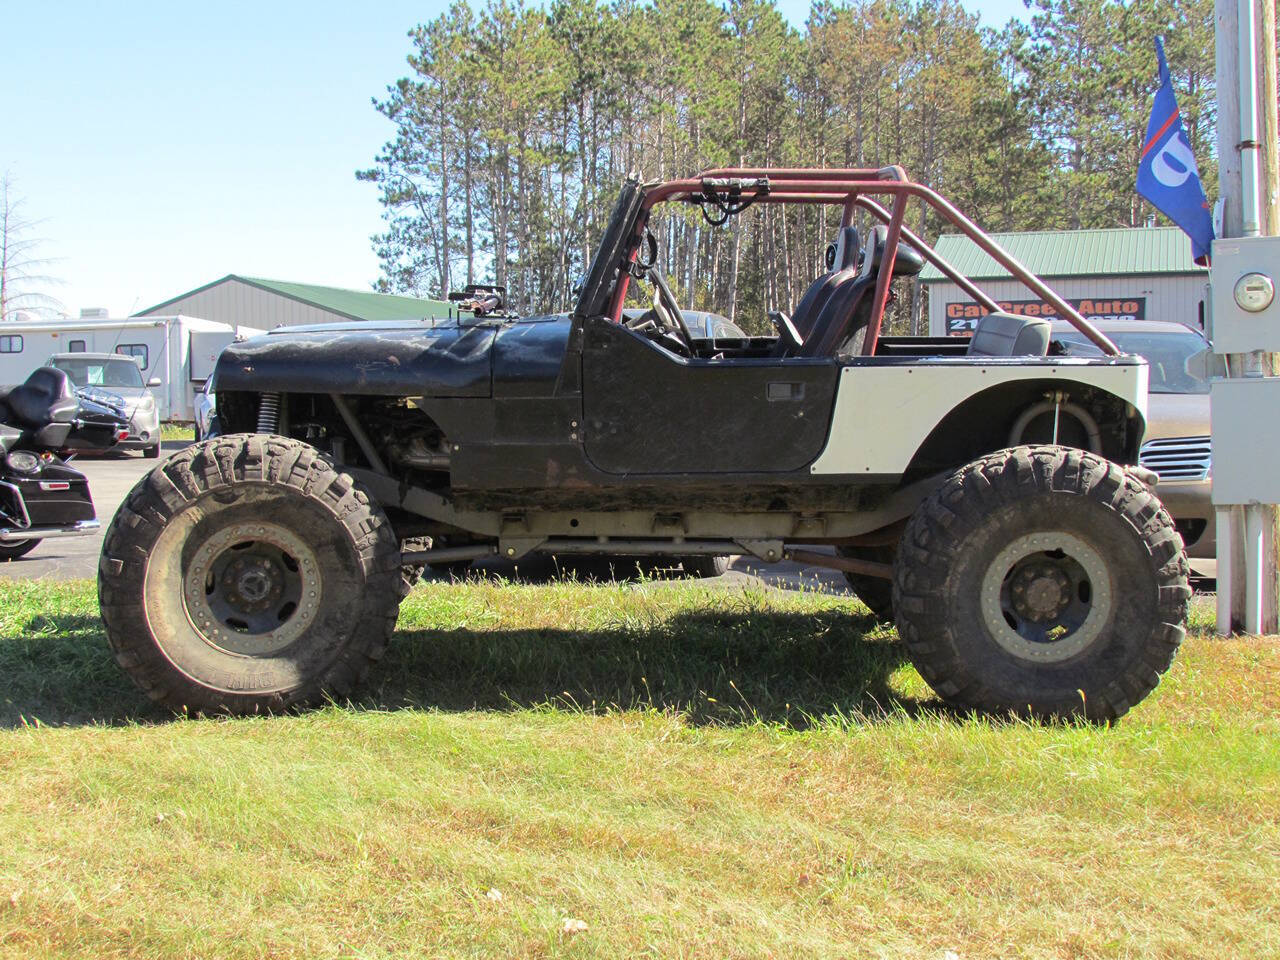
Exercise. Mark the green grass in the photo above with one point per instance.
(176, 431)
(690, 772)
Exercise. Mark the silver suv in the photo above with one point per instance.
(116, 379)
(1176, 444)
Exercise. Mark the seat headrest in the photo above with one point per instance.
(45, 395)
(51, 382)
(906, 263)
(1008, 335)
(848, 249)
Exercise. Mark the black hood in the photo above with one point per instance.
(440, 357)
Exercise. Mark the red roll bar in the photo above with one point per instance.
(853, 188)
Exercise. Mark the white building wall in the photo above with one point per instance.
(1168, 297)
(236, 303)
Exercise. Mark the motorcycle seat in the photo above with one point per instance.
(47, 396)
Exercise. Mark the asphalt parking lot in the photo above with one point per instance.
(111, 477)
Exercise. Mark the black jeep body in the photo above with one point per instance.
(995, 486)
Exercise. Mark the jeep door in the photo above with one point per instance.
(648, 411)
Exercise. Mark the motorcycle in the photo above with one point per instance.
(43, 422)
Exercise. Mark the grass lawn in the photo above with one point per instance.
(688, 772)
(176, 431)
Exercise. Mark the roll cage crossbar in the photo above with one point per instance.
(731, 189)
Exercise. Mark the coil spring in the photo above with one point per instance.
(269, 413)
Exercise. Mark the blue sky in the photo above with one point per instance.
(164, 145)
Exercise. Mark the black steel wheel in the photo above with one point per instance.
(245, 574)
(1042, 581)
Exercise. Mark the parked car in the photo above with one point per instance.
(1176, 444)
(116, 380)
(206, 406)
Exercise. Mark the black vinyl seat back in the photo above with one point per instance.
(842, 256)
(812, 301)
(833, 326)
(46, 397)
(848, 308)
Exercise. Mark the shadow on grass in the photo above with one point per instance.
(711, 666)
(59, 670)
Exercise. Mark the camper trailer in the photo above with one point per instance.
(178, 351)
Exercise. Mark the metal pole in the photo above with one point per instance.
(1245, 50)
(1231, 598)
(1226, 570)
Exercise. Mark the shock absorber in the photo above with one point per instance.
(269, 413)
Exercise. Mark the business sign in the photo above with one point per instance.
(963, 315)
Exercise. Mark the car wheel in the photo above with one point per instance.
(876, 593)
(1042, 581)
(704, 565)
(152, 452)
(248, 575)
(17, 548)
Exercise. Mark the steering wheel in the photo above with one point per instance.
(668, 317)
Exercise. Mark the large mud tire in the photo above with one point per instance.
(246, 575)
(1033, 520)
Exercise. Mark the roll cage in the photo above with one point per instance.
(730, 190)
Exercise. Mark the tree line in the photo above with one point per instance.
(515, 125)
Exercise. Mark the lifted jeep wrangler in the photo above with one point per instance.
(985, 493)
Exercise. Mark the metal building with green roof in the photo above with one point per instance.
(255, 302)
(1136, 273)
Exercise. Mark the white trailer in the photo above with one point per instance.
(179, 351)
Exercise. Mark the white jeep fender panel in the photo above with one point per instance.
(884, 413)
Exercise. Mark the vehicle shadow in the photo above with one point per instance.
(58, 670)
(545, 568)
(711, 667)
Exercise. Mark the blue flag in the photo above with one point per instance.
(1167, 174)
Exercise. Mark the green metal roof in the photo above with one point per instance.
(352, 304)
(1126, 251)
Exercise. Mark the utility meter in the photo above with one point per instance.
(1243, 277)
